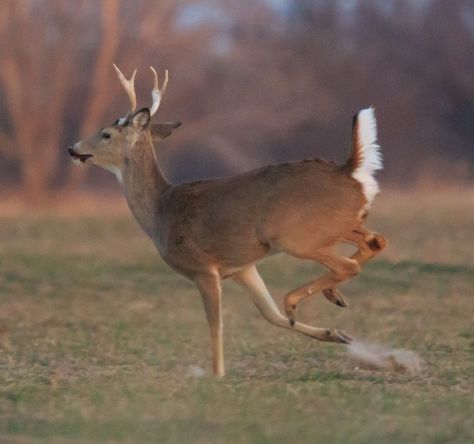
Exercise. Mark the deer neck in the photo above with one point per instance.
(143, 184)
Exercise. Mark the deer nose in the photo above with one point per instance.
(78, 156)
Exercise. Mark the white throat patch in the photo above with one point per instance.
(116, 171)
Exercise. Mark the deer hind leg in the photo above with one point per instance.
(251, 281)
(342, 268)
(370, 244)
(211, 293)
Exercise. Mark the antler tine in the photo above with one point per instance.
(129, 87)
(156, 93)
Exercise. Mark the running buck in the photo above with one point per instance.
(220, 228)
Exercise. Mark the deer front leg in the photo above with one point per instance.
(342, 268)
(211, 293)
(370, 244)
(261, 297)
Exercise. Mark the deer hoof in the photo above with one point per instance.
(290, 314)
(335, 296)
(377, 242)
(338, 336)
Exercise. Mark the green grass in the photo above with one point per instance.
(98, 338)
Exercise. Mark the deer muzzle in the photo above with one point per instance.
(77, 156)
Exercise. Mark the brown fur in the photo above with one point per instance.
(288, 207)
(354, 159)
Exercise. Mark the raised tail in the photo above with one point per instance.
(365, 157)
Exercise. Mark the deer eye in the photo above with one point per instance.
(105, 136)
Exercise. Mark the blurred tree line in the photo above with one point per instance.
(253, 81)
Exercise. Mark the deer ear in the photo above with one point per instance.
(141, 119)
(162, 130)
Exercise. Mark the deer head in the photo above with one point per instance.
(108, 148)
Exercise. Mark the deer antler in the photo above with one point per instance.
(156, 92)
(129, 87)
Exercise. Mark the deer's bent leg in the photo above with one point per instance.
(370, 244)
(210, 289)
(251, 281)
(342, 268)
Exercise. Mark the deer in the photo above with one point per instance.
(220, 228)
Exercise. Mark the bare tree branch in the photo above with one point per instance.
(100, 93)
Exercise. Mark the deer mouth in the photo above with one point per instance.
(76, 156)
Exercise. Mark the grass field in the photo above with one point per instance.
(100, 342)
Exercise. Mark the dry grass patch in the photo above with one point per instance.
(98, 336)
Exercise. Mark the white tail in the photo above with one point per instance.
(368, 157)
(215, 229)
